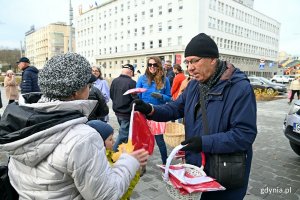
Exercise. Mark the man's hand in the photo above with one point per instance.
(156, 95)
(142, 107)
(193, 144)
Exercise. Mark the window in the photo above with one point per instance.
(143, 14)
(159, 43)
(143, 45)
(135, 46)
(179, 40)
(179, 22)
(135, 32)
(128, 33)
(151, 28)
(151, 12)
(159, 26)
(169, 7)
(160, 10)
(128, 5)
(180, 4)
(169, 42)
(135, 17)
(143, 30)
(122, 7)
(151, 44)
(116, 10)
(128, 19)
(169, 25)
(122, 21)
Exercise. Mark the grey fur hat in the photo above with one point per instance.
(65, 74)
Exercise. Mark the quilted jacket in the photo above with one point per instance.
(63, 161)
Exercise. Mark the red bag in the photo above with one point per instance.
(141, 134)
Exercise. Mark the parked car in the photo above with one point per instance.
(280, 79)
(258, 82)
(291, 126)
(291, 77)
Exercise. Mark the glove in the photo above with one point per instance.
(192, 144)
(156, 95)
(142, 107)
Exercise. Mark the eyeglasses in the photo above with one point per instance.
(192, 61)
(152, 64)
(95, 70)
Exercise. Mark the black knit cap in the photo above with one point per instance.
(202, 46)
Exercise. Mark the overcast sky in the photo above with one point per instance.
(17, 16)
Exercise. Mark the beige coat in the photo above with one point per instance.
(295, 85)
(11, 88)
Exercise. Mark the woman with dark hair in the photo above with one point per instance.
(102, 85)
(158, 92)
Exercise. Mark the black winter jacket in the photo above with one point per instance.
(122, 103)
(30, 80)
(101, 109)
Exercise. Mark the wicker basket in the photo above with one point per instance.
(174, 133)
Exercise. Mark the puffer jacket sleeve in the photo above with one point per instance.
(92, 174)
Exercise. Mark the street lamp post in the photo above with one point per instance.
(70, 31)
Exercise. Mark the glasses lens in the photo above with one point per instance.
(152, 64)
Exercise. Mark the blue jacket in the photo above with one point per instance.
(30, 80)
(146, 96)
(231, 115)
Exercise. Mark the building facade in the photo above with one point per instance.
(42, 44)
(117, 32)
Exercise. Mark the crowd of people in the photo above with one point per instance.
(69, 142)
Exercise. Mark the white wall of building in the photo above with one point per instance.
(121, 31)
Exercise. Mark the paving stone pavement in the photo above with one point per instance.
(275, 172)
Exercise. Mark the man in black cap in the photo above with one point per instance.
(219, 108)
(121, 103)
(29, 81)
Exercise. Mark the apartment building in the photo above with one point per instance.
(42, 44)
(117, 32)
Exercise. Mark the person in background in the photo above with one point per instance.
(169, 71)
(184, 84)
(106, 132)
(11, 86)
(179, 77)
(57, 155)
(29, 82)
(230, 106)
(102, 85)
(0, 103)
(122, 103)
(157, 93)
(295, 88)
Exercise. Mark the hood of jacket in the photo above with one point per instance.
(30, 132)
